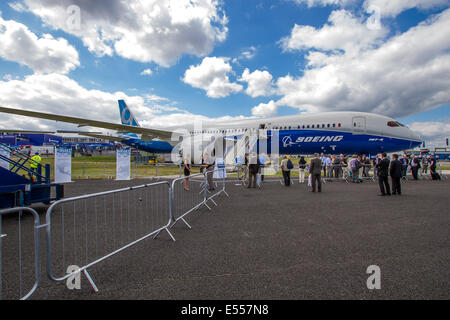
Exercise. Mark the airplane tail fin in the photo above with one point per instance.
(127, 117)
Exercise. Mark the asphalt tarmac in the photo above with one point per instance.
(280, 242)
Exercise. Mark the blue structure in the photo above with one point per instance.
(17, 190)
(440, 153)
(31, 139)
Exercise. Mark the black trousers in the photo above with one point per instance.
(252, 179)
(414, 171)
(287, 177)
(383, 181)
(314, 178)
(337, 171)
(396, 186)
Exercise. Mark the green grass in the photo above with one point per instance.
(105, 167)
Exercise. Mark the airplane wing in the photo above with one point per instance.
(98, 135)
(24, 131)
(146, 133)
(95, 134)
(103, 136)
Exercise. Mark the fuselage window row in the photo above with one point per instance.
(328, 125)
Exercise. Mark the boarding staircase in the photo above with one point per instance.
(245, 143)
(19, 184)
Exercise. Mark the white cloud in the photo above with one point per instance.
(59, 94)
(248, 53)
(323, 3)
(389, 8)
(344, 32)
(433, 132)
(154, 97)
(408, 73)
(265, 109)
(17, 6)
(259, 83)
(147, 72)
(44, 55)
(386, 8)
(154, 30)
(212, 76)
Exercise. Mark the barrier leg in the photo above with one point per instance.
(185, 222)
(223, 187)
(157, 234)
(211, 199)
(88, 276)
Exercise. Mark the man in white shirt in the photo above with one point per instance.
(329, 167)
(322, 159)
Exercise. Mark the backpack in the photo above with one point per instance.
(289, 164)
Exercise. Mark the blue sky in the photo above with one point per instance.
(231, 59)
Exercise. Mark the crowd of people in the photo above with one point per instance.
(353, 168)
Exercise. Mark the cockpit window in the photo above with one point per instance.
(393, 124)
(401, 125)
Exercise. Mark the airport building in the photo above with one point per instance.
(30, 139)
(44, 143)
(442, 153)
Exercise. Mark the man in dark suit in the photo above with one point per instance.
(383, 173)
(433, 164)
(396, 173)
(315, 172)
(415, 166)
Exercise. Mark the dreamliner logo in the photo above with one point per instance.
(287, 141)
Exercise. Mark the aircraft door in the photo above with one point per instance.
(359, 125)
(263, 132)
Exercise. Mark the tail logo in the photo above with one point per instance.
(126, 120)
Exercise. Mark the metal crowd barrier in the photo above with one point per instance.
(424, 176)
(209, 196)
(83, 231)
(346, 174)
(188, 201)
(368, 177)
(23, 251)
(341, 170)
(198, 195)
(439, 170)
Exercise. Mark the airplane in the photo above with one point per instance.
(329, 133)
